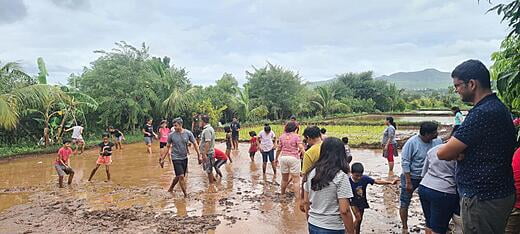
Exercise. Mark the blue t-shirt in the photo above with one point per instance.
(489, 134)
(415, 151)
(359, 189)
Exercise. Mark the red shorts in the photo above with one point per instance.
(390, 153)
(104, 160)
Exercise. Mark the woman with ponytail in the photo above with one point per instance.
(389, 143)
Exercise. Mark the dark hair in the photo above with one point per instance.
(65, 141)
(290, 127)
(227, 129)
(333, 158)
(292, 117)
(312, 132)
(105, 135)
(111, 127)
(456, 109)
(323, 130)
(164, 122)
(428, 127)
(205, 118)
(177, 121)
(390, 119)
(345, 140)
(252, 133)
(472, 70)
(357, 168)
(267, 128)
(79, 123)
(149, 119)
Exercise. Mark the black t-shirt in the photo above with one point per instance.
(359, 190)
(149, 129)
(116, 133)
(234, 127)
(106, 148)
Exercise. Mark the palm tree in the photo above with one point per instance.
(244, 101)
(179, 101)
(326, 99)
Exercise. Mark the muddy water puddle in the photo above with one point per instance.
(136, 200)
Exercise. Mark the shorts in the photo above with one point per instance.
(77, 141)
(162, 144)
(405, 198)
(197, 133)
(63, 170)
(119, 138)
(220, 162)
(318, 230)
(148, 140)
(104, 160)
(438, 208)
(234, 136)
(180, 166)
(252, 154)
(269, 154)
(209, 164)
(290, 164)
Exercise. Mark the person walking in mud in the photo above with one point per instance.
(483, 146)
(195, 128)
(313, 136)
(288, 154)
(207, 147)
(62, 163)
(235, 132)
(177, 144)
(414, 153)
(77, 137)
(105, 156)
(267, 141)
(389, 143)
(149, 134)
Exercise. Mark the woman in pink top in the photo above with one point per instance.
(513, 223)
(164, 132)
(289, 151)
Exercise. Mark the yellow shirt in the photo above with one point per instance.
(310, 157)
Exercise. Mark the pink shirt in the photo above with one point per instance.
(289, 144)
(516, 174)
(64, 155)
(164, 134)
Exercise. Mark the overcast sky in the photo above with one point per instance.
(319, 39)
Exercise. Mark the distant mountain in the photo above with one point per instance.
(428, 78)
(425, 79)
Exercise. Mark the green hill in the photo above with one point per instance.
(425, 79)
(429, 78)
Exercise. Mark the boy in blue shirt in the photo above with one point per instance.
(359, 183)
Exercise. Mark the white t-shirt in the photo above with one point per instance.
(266, 141)
(76, 132)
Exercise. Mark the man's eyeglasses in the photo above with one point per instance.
(459, 84)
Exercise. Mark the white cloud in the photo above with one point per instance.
(316, 38)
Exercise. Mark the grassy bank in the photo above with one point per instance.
(358, 135)
(33, 148)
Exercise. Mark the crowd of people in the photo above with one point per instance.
(468, 178)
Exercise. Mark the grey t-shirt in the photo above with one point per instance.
(414, 153)
(389, 133)
(179, 142)
(207, 137)
(439, 174)
(324, 210)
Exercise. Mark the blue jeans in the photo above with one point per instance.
(268, 155)
(317, 230)
(438, 208)
(405, 197)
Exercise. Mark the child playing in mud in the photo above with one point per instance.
(105, 156)
(221, 158)
(62, 163)
(253, 145)
(117, 136)
(77, 137)
(149, 134)
(229, 144)
(347, 149)
(359, 183)
(164, 132)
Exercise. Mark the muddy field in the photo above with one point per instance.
(136, 200)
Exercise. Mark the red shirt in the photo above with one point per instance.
(253, 148)
(64, 155)
(220, 155)
(516, 175)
